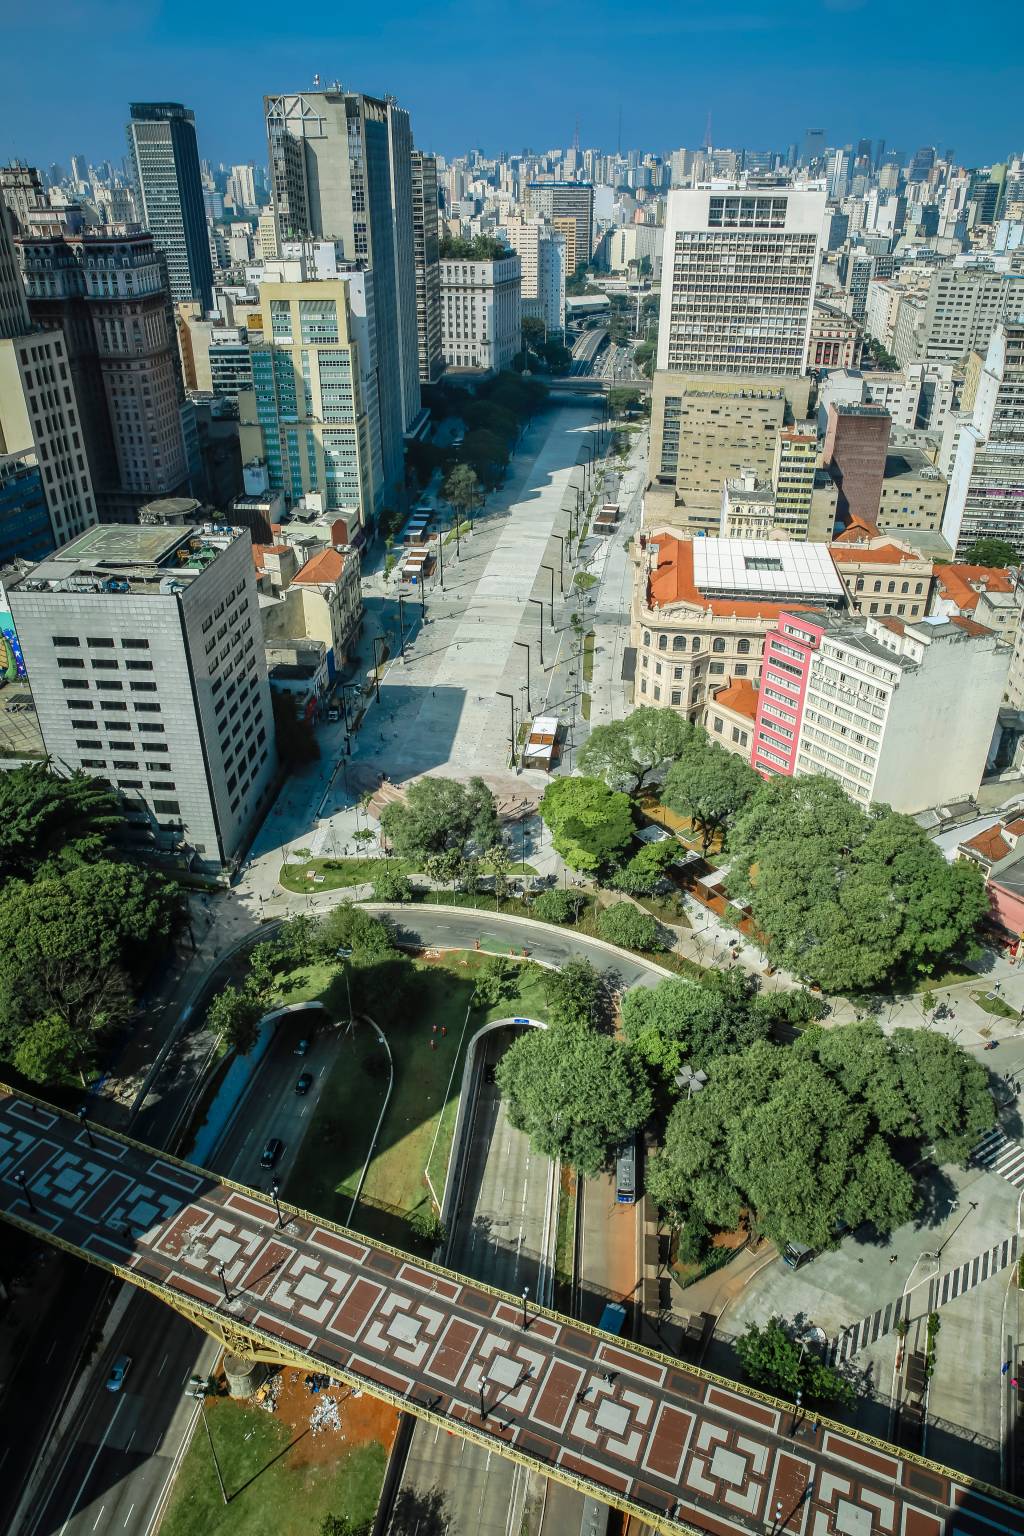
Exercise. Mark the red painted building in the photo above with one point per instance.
(788, 649)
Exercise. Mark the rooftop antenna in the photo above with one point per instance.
(707, 134)
(576, 135)
(618, 142)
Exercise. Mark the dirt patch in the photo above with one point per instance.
(335, 1418)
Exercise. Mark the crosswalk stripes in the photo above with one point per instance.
(996, 1152)
(942, 1290)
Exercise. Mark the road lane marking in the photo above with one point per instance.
(92, 1464)
(49, 1355)
(163, 1362)
(128, 1443)
(128, 1515)
(99, 1517)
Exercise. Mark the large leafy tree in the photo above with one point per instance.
(847, 898)
(646, 869)
(625, 753)
(235, 1014)
(771, 1358)
(71, 945)
(440, 815)
(680, 1022)
(993, 552)
(462, 489)
(709, 785)
(46, 817)
(628, 926)
(576, 1093)
(575, 994)
(590, 824)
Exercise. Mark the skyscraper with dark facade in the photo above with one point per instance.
(169, 189)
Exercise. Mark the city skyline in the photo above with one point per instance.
(919, 90)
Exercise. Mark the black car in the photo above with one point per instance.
(271, 1152)
(304, 1083)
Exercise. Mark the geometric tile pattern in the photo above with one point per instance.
(637, 1428)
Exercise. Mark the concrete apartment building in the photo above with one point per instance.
(569, 206)
(215, 358)
(902, 714)
(319, 601)
(986, 484)
(427, 262)
(856, 444)
(748, 508)
(169, 195)
(39, 410)
(913, 492)
(740, 269)
(146, 655)
(311, 414)
(541, 251)
(341, 171)
(702, 607)
(881, 575)
(107, 290)
(481, 313)
(806, 498)
(835, 340)
(965, 303)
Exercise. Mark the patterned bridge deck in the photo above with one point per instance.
(640, 1430)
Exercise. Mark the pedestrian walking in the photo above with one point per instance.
(1006, 1367)
(893, 1258)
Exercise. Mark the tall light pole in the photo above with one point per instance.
(561, 561)
(275, 1191)
(401, 623)
(540, 605)
(512, 717)
(551, 572)
(83, 1118)
(377, 664)
(22, 1182)
(526, 1292)
(524, 644)
(224, 1282)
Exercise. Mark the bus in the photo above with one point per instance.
(625, 1174)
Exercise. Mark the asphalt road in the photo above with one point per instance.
(111, 1471)
(498, 1237)
(459, 928)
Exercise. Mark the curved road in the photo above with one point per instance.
(461, 927)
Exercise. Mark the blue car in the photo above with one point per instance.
(118, 1371)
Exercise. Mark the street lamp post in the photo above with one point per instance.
(275, 1191)
(526, 1292)
(525, 645)
(551, 572)
(483, 1405)
(401, 624)
(440, 554)
(377, 664)
(540, 604)
(224, 1282)
(83, 1117)
(22, 1182)
(561, 561)
(512, 716)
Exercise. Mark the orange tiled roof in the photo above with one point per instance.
(673, 582)
(857, 528)
(957, 583)
(1016, 827)
(739, 695)
(990, 844)
(970, 625)
(878, 554)
(325, 567)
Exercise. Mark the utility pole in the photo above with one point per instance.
(512, 719)
(526, 647)
(401, 623)
(551, 572)
(376, 666)
(561, 561)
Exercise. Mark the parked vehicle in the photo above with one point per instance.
(118, 1371)
(613, 1318)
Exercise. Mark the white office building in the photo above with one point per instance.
(541, 251)
(740, 267)
(145, 649)
(986, 484)
(481, 313)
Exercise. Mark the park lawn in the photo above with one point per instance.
(996, 1006)
(588, 656)
(336, 873)
(948, 978)
(420, 1116)
(273, 1491)
(667, 909)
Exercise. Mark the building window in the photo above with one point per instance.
(135, 645)
(663, 642)
(718, 646)
(717, 725)
(167, 807)
(65, 640)
(679, 643)
(677, 697)
(100, 642)
(743, 647)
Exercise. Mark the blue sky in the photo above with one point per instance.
(517, 75)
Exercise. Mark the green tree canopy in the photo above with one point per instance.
(683, 1022)
(645, 871)
(557, 906)
(771, 1358)
(993, 552)
(709, 785)
(487, 453)
(71, 944)
(845, 898)
(590, 825)
(626, 925)
(574, 994)
(577, 1094)
(439, 815)
(479, 248)
(235, 1013)
(46, 817)
(347, 926)
(625, 753)
(462, 488)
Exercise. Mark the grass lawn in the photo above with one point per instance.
(588, 656)
(287, 1496)
(336, 873)
(565, 1239)
(946, 979)
(421, 1114)
(995, 1006)
(584, 580)
(585, 706)
(667, 909)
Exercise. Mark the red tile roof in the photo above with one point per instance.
(739, 695)
(858, 528)
(963, 584)
(989, 845)
(877, 554)
(970, 625)
(324, 568)
(673, 582)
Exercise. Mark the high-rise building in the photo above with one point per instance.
(169, 193)
(427, 258)
(21, 188)
(312, 416)
(794, 473)
(738, 279)
(965, 303)
(146, 654)
(986, 487)
(814, 145)
(565, 200)
(25, 531)
(856, 444)
(107, 290)
(481, 313)
(39, 411)
(341, 170)
(242, 186)
(541, 251)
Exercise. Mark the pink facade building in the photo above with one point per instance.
(788, 649)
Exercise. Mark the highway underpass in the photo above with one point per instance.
(675, 1445)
